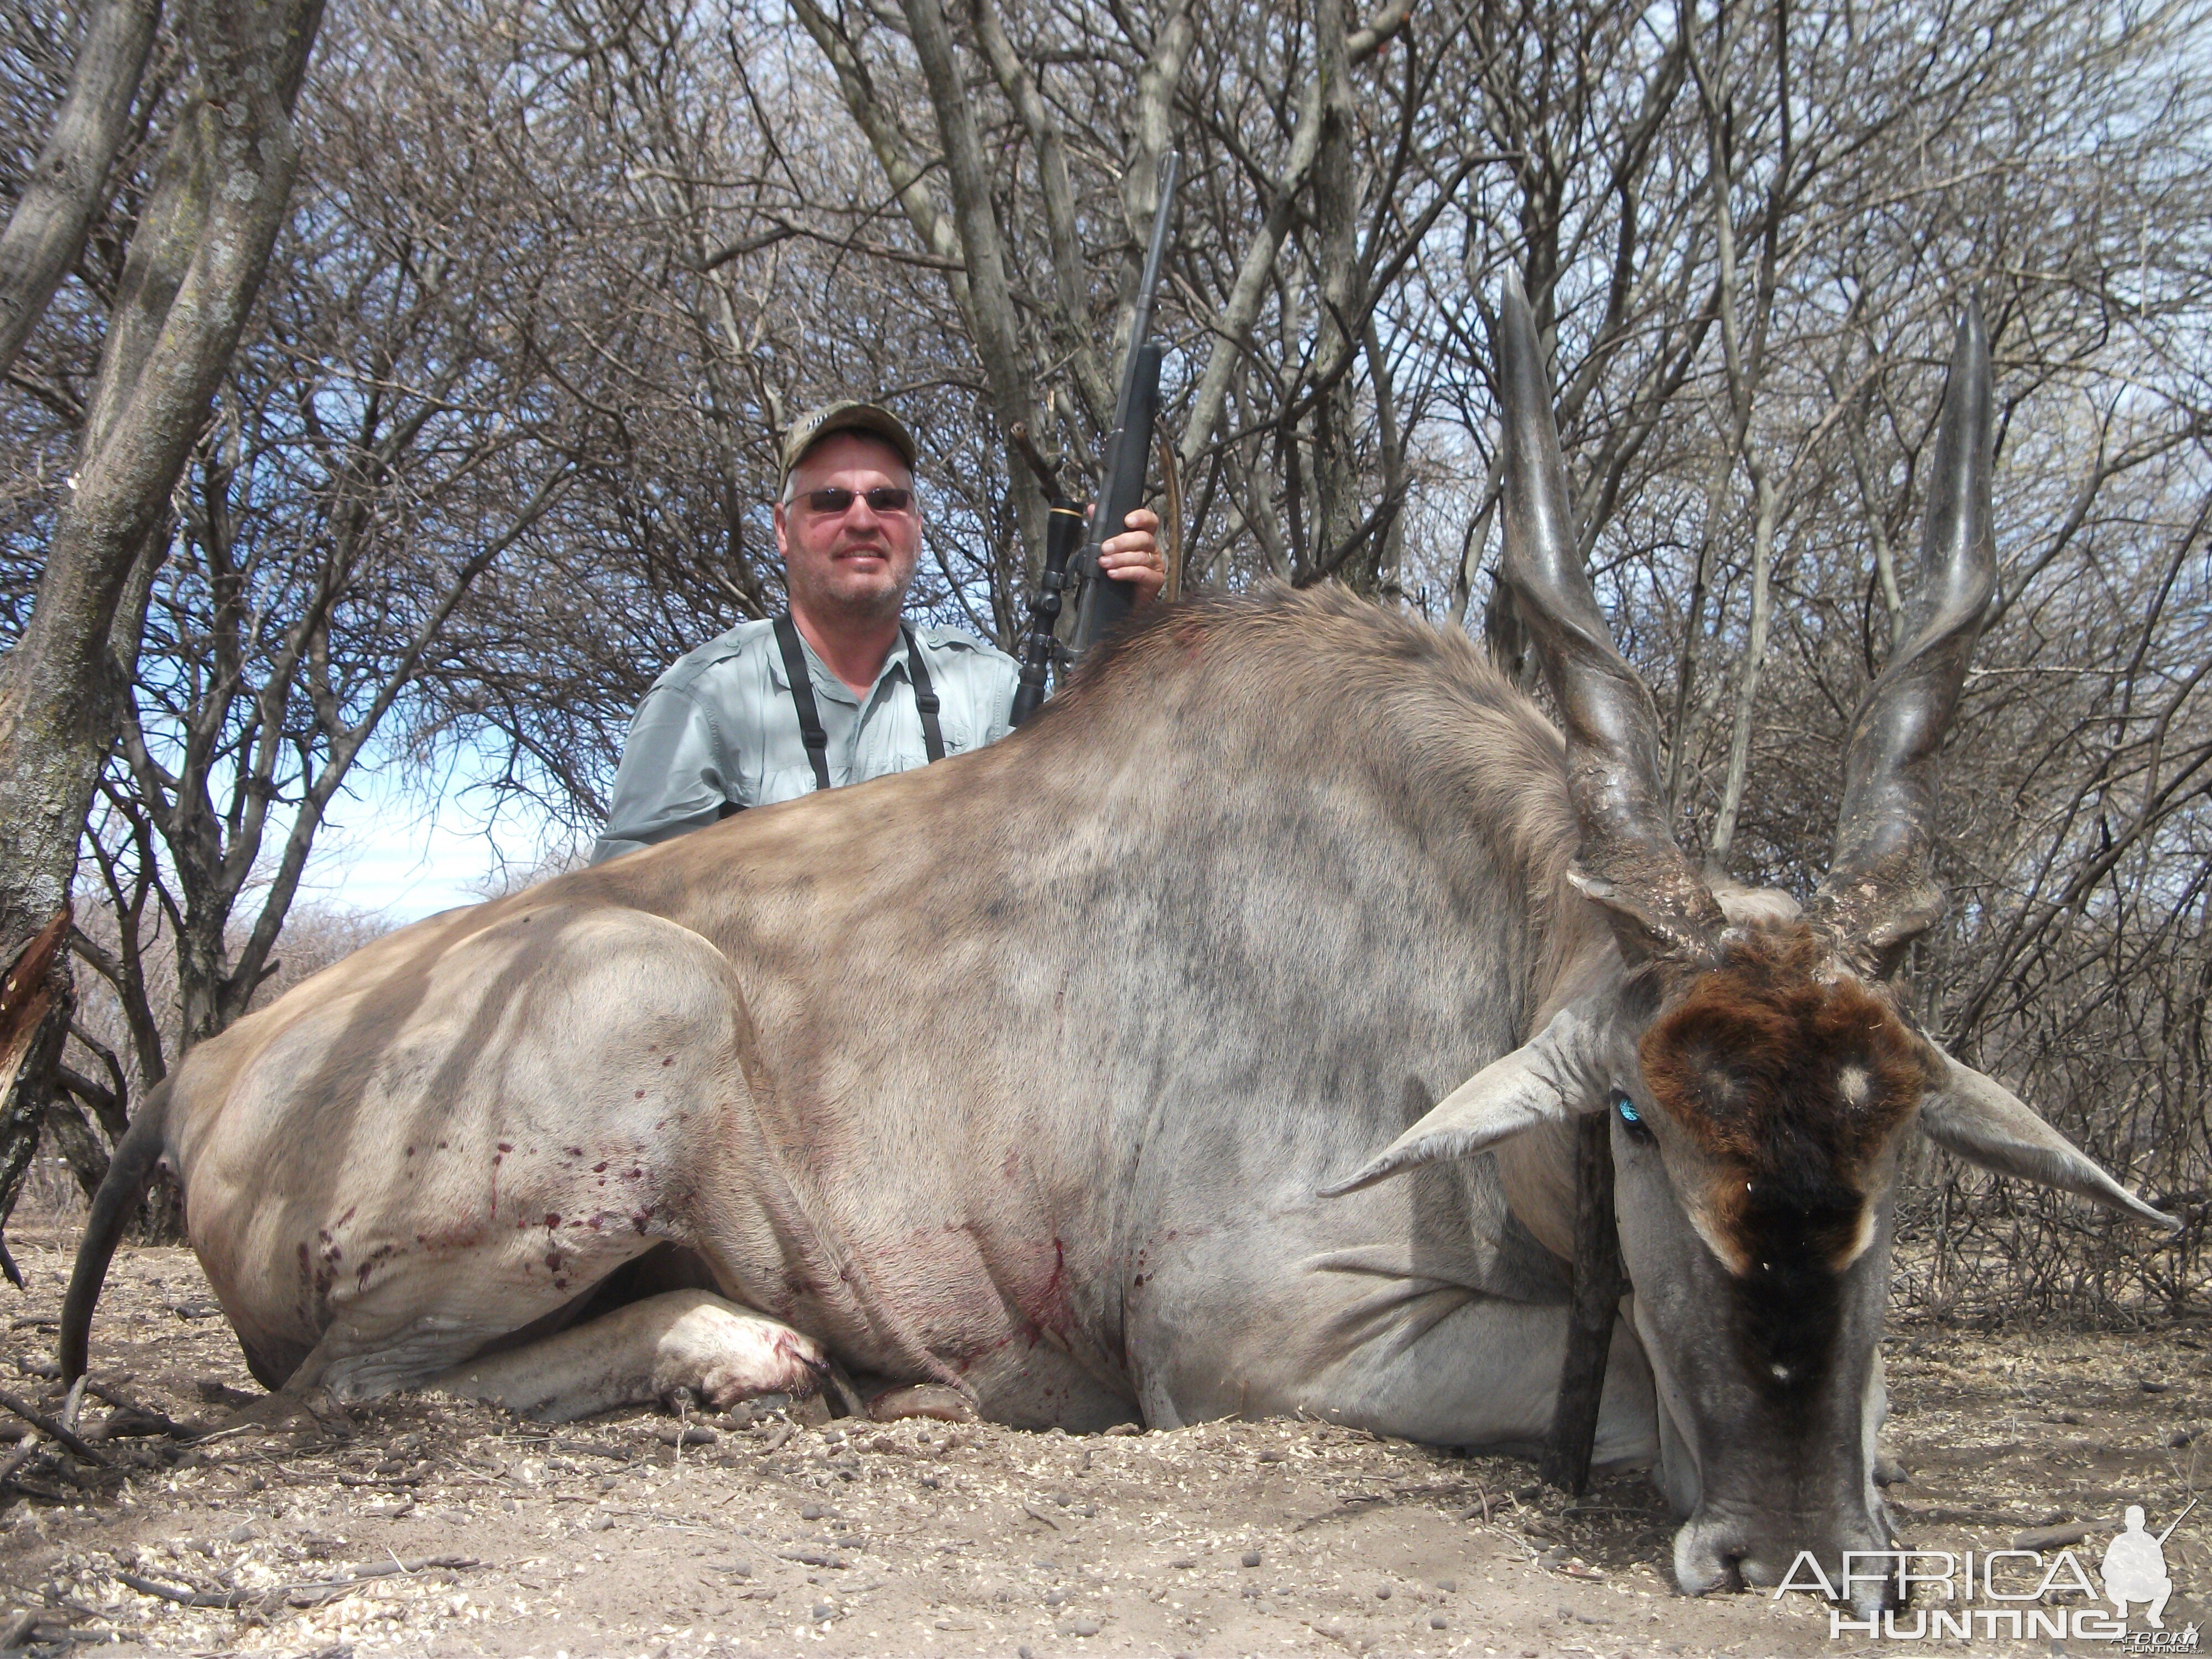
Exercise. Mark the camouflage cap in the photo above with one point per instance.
(815, 424)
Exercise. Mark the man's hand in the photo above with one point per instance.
(1134, 556)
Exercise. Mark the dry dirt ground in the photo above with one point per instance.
(427, 1527)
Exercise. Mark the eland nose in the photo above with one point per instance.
(1723, 1553)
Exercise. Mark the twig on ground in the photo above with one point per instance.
(51, 1428)
(587, 1448)
(73, 1404)
(224, 1434)
(26, 1450)
(184, 1597)
(188, 1598)
(160, 1420)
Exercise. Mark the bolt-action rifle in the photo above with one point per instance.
(1101, 601)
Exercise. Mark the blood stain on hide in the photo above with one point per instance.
(459, 1236)
(1049, 1310)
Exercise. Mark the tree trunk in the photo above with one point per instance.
(71, 1135)
(218, 207)
(991, 301)
(1092, 382)
(1390, 538)
(1344, 542)
(46, 232)
(34, 1004)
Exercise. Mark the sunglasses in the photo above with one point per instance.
(836, 503)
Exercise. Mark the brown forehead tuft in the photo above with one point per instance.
(1790, 1075)
(1781, 1066)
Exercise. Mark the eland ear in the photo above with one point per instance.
(1985, 1123)
(1540, 1082)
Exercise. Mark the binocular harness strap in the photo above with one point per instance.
(809, 714)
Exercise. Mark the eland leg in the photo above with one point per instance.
(641, 1354)
(1325, 1312)
(440, 1171)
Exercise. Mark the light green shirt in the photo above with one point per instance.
(719, 727)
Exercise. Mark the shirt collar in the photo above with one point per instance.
(827, 684)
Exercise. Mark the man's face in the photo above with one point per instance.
(858, 562)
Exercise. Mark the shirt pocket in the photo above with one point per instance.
(780, 783)
(895, 747)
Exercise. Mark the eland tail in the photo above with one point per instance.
(128, 1171)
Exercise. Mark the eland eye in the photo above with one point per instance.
(1630, 1118)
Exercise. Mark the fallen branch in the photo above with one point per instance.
(49, 1633)
(25, 1448)
(184, 1597)
(51, 1428)
(189, 1598)
(814, 1558)
(614, 1453)
(419, 1564)
(160, 1421)
(224, 1434)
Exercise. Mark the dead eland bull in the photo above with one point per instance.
(1026, 1074)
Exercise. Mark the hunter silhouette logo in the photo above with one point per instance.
(2134, 1566)
(2010, 1594)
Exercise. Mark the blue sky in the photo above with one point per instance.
(399, 844)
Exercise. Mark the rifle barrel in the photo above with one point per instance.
(1103, 602)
